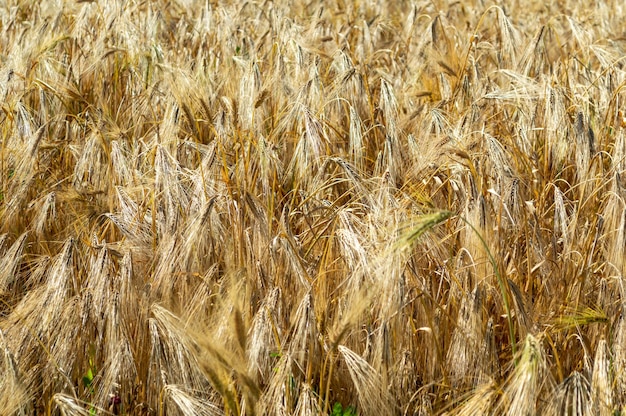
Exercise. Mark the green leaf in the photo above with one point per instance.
(88, 378)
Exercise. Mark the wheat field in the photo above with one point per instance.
(312, 207)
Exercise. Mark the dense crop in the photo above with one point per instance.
(312, 208)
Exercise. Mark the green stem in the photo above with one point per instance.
(502, 285)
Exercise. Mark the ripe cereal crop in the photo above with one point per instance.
(312, 207)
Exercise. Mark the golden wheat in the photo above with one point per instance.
(288, 207)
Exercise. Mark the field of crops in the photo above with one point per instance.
(312, 207)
